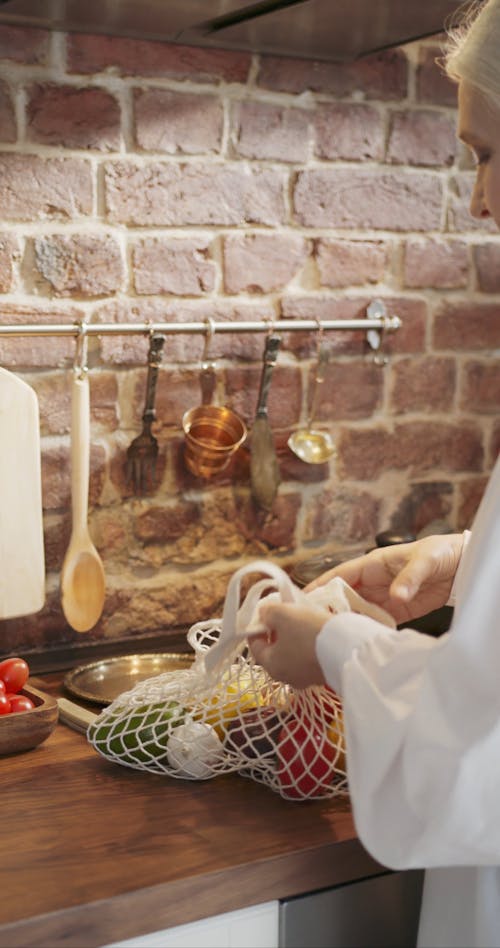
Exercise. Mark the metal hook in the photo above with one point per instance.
(270, 322)
(80, 366)
(210, 331)
(319, 338)
(376, 337)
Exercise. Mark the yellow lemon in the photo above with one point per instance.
(231, 699)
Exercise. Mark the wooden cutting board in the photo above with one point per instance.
(22, 562)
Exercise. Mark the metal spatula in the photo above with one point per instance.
(264, 471)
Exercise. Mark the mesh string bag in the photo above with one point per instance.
(225, 714)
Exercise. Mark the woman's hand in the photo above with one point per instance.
(288, 650)
(407, 579)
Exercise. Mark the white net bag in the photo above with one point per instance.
(225, 714)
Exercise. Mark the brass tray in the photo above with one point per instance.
(102, 682)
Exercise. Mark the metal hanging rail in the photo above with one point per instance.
(381, 323)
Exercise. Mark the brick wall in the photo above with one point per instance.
(143, 181)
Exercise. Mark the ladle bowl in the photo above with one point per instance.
(311, 445)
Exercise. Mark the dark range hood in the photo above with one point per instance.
(331, 30)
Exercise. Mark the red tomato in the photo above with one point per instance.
(306, 758)
(3, 689)
(20, 703)
(14, 673)
(4, 705)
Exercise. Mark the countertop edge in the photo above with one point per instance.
(163, 906)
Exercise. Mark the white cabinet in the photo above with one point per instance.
(254, 927)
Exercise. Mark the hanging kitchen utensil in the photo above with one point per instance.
(142, 452)
(264, 470)
(22, 562)
(213, 433)
(207, 373)
(311, 444)
(82, 576)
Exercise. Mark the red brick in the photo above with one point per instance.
(421, 504)
(421, 137)
(266, 131)
(37, 351)
(343, 515)
(351, 389)
(436, 263)
(494, 448)
(381, 76)
(387, 200)
(8, 125)
(131, 57)
(416, 447)
(425, 384)
(73, 118)
(174, 122)
(181, 266)
(433, 85)
(53, 391)
(350, 262)
(467, 326)
(9, 255)
(166, 524)
(470, 494)
(104, 405)
(481, 387)
(274, 531)
(292, 468)
(83, 265)
(33, 188)
(261, 263)
(459, 216)
(56, 475)
(487, 261)
(351, 132)
(285, 393)
(57, 531)
(162, 193)
(24, 45)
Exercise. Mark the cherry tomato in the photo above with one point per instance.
(3, 689)
(4, 704)
(14, 673)
(20, 703)
(306, 759)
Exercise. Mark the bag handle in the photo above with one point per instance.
(236, 620)
(335, 596)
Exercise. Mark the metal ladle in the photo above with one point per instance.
(310, 444)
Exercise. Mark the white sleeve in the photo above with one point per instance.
(422, 720)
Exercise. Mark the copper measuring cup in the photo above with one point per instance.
(212, 433)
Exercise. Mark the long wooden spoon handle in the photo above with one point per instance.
(80, 451)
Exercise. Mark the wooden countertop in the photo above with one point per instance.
(92, 852)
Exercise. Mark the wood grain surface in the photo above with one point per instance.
(98, 852)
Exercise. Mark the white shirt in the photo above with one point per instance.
(422, 721)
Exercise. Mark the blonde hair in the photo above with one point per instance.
(473, 50)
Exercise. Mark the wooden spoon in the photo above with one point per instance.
(82, 577)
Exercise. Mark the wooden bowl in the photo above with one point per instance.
(23, 730)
